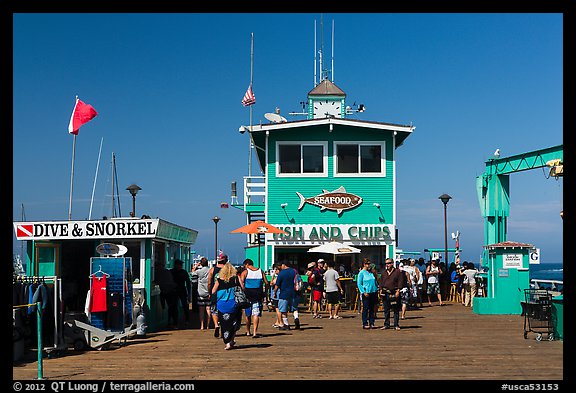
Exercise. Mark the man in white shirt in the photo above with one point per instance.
(334, 290)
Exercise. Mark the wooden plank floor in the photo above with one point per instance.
(435, 343)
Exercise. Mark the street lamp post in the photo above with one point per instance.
(445, 198)
(133, 188)
(216, 219)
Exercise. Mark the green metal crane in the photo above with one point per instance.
(507, 263)
(493, 186)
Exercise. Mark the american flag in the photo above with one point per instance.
(249, 98)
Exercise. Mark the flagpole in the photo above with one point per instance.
(81, 114)
(72, 178)
(251, 81)
(72, 171)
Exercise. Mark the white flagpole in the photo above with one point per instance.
(95, 177)
(72, 178)
(72, 171)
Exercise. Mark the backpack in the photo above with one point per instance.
(297, 281)
(311, 279)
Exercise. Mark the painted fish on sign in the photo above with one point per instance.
(338, 200)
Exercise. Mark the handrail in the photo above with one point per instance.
(553, 283)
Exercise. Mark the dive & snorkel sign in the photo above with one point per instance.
(101, 229)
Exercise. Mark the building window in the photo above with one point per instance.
(366, 158)
(301, 159)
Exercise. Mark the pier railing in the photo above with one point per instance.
(552, 285)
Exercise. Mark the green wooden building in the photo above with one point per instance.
(64, 249)
(330, 177)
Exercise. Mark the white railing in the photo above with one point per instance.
(552, 285)
(254, 187)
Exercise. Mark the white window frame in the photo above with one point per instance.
(382, 173)
(324, 145)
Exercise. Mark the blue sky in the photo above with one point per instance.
(168, 87)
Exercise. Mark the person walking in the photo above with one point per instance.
(274, 296)
(183, 288)
(368, 292)
(334, 290)
(168, 295)
(470, 288)
(390, 284)
(229, 315)
(414, 275)
(405, 289)
(254, 281)
(461, 282)
(284, 288)
(432, 277)
(200, 271)
(212, 277)
(316, 280)
(422, 281)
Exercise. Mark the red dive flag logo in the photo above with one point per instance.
(249, 98)
(24, 230)
(81, 115)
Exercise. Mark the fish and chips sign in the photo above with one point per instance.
(337, 200)
(101, 229)
(309, 234)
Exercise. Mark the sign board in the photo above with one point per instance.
(337, 200)
(308, 234)
(535, 257)
(101, 229)
(512, 261)
(502, 272)
(109, 249)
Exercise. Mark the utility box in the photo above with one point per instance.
(507, 277)
(558, 316)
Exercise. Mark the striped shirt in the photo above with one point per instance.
(253, 284)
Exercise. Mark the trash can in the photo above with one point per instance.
(558, 316)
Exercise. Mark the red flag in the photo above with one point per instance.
(81, 115)
(249, 98)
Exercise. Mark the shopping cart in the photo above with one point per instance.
(537, 311)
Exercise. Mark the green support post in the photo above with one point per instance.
(39, 334)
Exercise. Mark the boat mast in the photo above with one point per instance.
(95, 177)
(113, 178)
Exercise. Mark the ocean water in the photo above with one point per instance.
(547, 271)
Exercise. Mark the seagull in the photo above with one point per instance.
(497, 153)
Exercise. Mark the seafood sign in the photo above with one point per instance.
(338, 200)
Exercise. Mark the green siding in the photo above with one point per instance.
(371, 189)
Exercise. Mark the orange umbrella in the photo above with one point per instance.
(258, 227)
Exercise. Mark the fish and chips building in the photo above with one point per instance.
(326, 178)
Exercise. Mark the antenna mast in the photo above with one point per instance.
(315, 40)
(321, 47)
(332, 73)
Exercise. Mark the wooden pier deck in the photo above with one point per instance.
(435, 343)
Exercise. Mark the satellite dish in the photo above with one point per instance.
(275, 118)
(121, 250)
